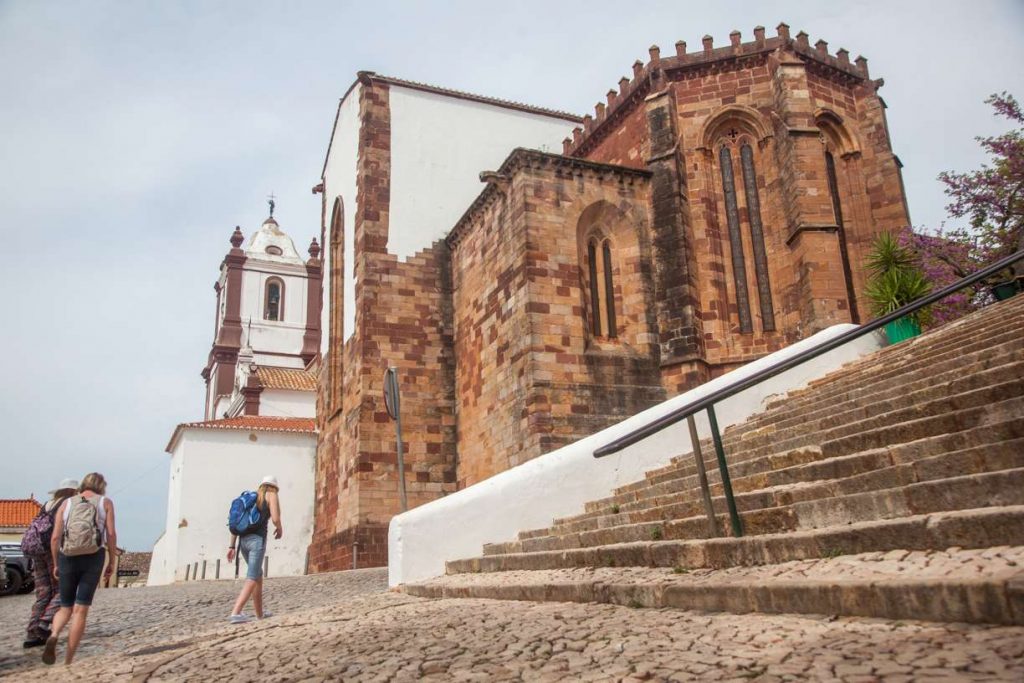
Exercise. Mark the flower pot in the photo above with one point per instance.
(1004, 290)
(902, 329)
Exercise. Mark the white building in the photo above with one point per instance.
(259, 412)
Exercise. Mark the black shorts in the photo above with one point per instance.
(79, 576)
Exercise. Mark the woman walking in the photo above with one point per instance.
(84, 535)
(253, 546)
(47, 601)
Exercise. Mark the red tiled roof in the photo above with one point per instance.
(18, 513)
(294, 379)
(251, 423)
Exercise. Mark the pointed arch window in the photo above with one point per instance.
(602, 288)
(273, 301)
(335, 306)
(735, 148)
(837, 210)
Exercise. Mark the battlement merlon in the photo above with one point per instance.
(521, 159)
(673, 66)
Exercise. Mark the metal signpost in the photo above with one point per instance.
(393, 402)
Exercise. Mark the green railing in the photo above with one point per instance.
(707, 403)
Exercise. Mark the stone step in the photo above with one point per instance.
(958, 585)
(966, 528)
(876, 370)
(940, 414)
(983, 426)
(995, 447)
(810, 465)
(986, 325)
(800, 507)
(1007, 358)
(986, 360)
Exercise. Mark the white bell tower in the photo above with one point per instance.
(268, 309)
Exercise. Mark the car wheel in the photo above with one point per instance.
(12, 582)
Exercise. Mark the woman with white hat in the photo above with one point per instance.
(253, 546)
(47, 599)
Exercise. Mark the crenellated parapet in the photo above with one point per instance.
(650, 76)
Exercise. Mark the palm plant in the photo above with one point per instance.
(894, 280)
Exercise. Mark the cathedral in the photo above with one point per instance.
(535, 276)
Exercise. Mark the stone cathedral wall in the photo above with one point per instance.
(493, 329)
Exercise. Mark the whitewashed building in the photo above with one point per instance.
(259, 412)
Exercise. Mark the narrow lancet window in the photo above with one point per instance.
(739, 269)
(837, 209)
(609, 290)
(764, 290)
(595, 296)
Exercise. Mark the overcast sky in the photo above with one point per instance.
(136, 135)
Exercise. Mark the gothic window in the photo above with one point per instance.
(609, 290)
(601, 287)
(732, 215)
(335, 305)
(595, 296)
(764, 292)
(736, 149)
(837, 209)
(273, 307)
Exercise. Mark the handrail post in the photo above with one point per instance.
(702, 477)
(723, 468)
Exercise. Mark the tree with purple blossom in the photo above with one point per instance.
(991, 199)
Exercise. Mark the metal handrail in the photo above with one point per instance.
(708, 402)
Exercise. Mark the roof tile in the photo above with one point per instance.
(18, 513)
(294, 379)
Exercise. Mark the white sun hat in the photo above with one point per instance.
(65, 484)
(271, 480)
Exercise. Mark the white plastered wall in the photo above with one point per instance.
(215, 466)
(559, 483)
(340, 181)
(439, 146)
(285, 403)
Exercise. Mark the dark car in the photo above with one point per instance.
(16, 576)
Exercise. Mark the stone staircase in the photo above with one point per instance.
(893, 487)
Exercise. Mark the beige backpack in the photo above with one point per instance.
(83, 534)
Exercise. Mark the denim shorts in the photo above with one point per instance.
(79, 576)
(253, 548)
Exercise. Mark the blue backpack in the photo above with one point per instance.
(244, 515)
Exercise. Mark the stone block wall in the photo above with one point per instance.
(530, 375)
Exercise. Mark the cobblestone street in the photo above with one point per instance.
(346, 626)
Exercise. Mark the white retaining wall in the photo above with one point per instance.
(558, 484)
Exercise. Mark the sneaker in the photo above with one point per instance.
(239, 618)
(50, 651)
(34, 642)
(266, 614)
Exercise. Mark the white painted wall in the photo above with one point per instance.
(558, 484)
(283, 403)
(214, 466)
(439, 146)
(340, 181)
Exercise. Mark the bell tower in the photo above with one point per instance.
(268, 309)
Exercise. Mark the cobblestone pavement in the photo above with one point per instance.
(360, 632)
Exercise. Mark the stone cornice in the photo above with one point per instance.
(522, 159)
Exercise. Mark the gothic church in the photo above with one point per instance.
(716, 206)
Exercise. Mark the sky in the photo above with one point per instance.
(136, 135)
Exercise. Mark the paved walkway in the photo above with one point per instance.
(346, 626)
